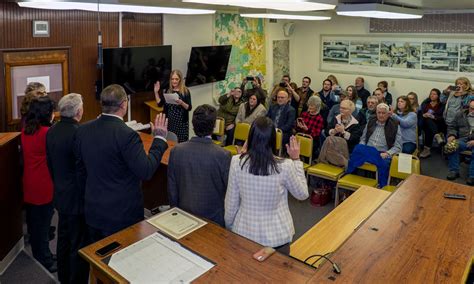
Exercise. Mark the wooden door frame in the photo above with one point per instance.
(24, 57)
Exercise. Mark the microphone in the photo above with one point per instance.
(100, 58)
(335, 267)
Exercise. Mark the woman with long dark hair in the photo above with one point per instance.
(433, 122)
(251, 110)
(256, 202)
(37, 183)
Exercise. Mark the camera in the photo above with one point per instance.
(249, 78)
(283, 84)
(454, 88)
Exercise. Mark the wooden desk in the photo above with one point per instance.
(155, 190)
(11, 196)
(329, 233)
(231, 253)
(154, 109)
(416, 236)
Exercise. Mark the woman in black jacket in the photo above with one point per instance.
(345, 125)
(433, 125)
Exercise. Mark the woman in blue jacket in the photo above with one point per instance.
(407, 119)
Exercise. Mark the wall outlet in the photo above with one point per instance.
(392, 83)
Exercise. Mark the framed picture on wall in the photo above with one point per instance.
(40, 29)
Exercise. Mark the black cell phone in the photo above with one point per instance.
(107, 249)
(454, 88)
(249, 78)
(454, 196)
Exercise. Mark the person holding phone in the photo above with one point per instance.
(311, 122)
(432, 121)
(257, 89)
(458, 97)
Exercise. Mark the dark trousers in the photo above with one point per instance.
(38, 221)
(71, 237)
(408, 147)
(95, 235)
(431, 127)
(229, 136)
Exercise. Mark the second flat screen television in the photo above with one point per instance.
(137, 68)
(207, 64)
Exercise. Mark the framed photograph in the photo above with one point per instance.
(40, 29)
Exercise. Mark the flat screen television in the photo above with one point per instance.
(137, 68)
(207, 64)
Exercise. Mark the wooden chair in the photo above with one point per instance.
(219, 131)
(241, 133)
(353, 182)
(306, 148)
(395, 174)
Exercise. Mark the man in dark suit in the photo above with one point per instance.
(283, 115)
(112, 162)
(198, 170)
(68, 198)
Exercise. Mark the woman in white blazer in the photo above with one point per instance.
(256, 202)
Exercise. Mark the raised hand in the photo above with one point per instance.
(293, 149)
(160, 127)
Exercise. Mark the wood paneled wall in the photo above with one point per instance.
(78, 30)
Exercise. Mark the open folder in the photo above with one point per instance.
(158, 259)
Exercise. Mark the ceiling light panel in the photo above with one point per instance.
(59, 5)
(282, 5)
(380, 11)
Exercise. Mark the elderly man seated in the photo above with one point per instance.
(380, 140)
(462, 130)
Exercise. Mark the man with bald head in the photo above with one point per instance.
(283, 115)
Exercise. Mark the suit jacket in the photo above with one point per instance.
(68, 197)
(111, 162)
(286, 121)
(256, 207)
(197, 178)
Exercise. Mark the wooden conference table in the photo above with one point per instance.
(155, 190)
(415, 236)
(231, 253)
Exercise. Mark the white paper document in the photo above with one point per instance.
(171, 98)
(176, 222)
(157, 259)
(404, 163)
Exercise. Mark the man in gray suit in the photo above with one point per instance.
(198, 170)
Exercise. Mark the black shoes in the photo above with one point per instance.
(452, 175)
(470, 181)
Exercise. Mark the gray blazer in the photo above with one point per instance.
(197, 178)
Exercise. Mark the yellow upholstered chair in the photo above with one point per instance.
(353, 182)
(241, 133)
(394, 173)
(219, 130)
(325, 171)
(306, 148)
(279, 141)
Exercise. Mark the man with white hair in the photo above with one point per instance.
(380, 140)
(68, 198)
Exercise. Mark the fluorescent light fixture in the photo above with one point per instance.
(283, 5)
(104, 7)
(381, 11)
(272, 14)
